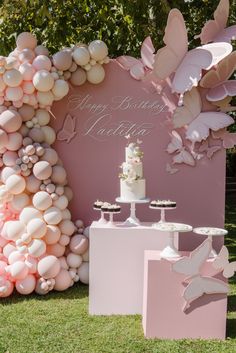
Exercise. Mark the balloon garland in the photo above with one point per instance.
(40, 247)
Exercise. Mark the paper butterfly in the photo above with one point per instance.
(210, 150)
(171, 170)
(217, 80)
(228, 139)
(67, 133)
(215, 30)
(192, 266)
(198, 123)
(136, 67)
(224, 105)
(222, 263)
(176, 145)
(187, 65)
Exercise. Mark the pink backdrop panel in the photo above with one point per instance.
(92, 148)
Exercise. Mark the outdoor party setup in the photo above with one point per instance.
(98, 155)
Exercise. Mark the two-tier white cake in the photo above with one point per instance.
(132, 183)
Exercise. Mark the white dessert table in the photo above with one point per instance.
(173, 229)
(117, 264)
(211, 232)
(132, 220)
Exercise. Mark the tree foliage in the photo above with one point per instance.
(122, 24)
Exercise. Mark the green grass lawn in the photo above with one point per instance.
(59, 322)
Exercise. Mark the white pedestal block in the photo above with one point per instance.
(117, 265)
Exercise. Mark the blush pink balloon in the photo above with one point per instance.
(31, 263)
(57, 250)
(27, 285)
(14, 93)
(26, 40)
(3, 138)
(49, 267)
(14, 141)
(10, 120)
(7, 286)
(63, 280)
(3, 266)
(26, 55)
(79, 244)
(18, 270)
(9, 158)
(42, 62)
(8, 249)
(28, 88)
(27, 71)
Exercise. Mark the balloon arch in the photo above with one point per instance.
(41, 248)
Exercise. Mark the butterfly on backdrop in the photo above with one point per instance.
(67, 133)
(228, 138)
(215, 30)
(186, 65)
(170, 169)
(139, 67)
(222, 263)
(176, 145)
(209, 150)
(217, 80)
(198, 123)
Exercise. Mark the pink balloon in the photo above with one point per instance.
(3, 138)
(42, 62)
(26, 286)
(27, 71)
(57, 250)
(31, 263)
(49, 267)
(28, 88)
(26, 40)
(10, 120)
(3, 266)
(9, 158)
(79, 244)
(62, 60)
(14, 141)
(63, 280)
(12, 78)
(26, 55)
(8, 249)
(7, 287)
(18, 270)
(14, 93)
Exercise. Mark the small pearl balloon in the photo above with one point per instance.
(43, 117)
(74, 260)
(15, 184)
(37, 248)
(68, 193)
(52, 216)
(98, 50)
(32, 184)
(96, 74)
(85, 256)
(60, 88)
(14, 141)
(78, 77)
(23, 130)
(79, 244)
(61, 202)
(81, 56)
(45, 98)
(66, 214)
(67, 227)
(36, 228)
(26, 40)
(36, 134)
(58, 174)
(41, 50)
(15, 95)
(27, 71)
(49, 134)
(43, 81)
(79, 223)
(64, 240)
(12, 78)
(42, 62)
(83, 272)
(42, 200)
(42, 170)
(59, 190)
(62, 60)
(10, 121)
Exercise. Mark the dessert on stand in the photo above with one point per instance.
(132, 182)
(106, 208)
(162, 205)
(211, 232)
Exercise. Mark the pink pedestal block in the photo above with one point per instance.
(163, 316)
(116, 267)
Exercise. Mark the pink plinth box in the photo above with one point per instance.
(163, 316)
(116, 266)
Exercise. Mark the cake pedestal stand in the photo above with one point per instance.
(110, 223)
(102, 219)
(163, 215)
(173, 229)
(210, 232)
(132, 220)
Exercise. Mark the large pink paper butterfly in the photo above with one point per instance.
(228, 138)
(197, 284)
(215, 30)
(222, 263)
(216, 80)
(198, 123)
(176, 145)
(209, 150)
(139, 67)
(67, 133)
(187, 65)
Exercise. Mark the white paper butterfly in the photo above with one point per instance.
(198, 123)
(67, 133)
(176, 145)
(198, 285)
(170, 169)
(222, 263)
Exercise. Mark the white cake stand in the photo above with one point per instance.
(163, 215)
(173, 229)
(102, 219)
(210, 232)
(132, 220)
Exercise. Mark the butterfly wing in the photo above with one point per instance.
(168, 58)
(212, 28)
(229, 140)
(189, 72)
(223, 72)
(218, 93)
(199, 129)
(229, 270)
(127, 61)
(189, 111)
(222, 259)
(212, 150)
(184, 157)
(226, 35)
(137, 71)
(147, 53)
(171, 170)
(176, 143)
(219, 51)
(191, 266)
